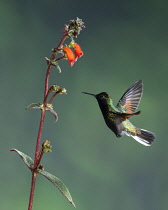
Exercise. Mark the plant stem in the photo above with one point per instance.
(62, 41)
(50, 66)
(52, 97)
(36, 160)
(47, 82)
(37, 156)
(32, 190)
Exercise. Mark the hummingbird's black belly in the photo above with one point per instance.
(115, 124)
(112, 119)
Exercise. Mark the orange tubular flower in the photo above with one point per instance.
(70, 55)
(78, 51)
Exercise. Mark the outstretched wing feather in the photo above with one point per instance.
(131, 98)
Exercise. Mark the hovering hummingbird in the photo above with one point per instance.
(116, 118)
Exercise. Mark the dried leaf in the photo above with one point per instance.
(54, 113)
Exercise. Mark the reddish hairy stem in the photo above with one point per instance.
(60, 58)
(50, 66)
(38, 155)
(53, 97)
(62, 41)
(47, 82)
(36, 160)
(32, 190)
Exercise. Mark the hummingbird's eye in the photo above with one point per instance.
(101, 96)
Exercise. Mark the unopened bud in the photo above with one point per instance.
(46, 147)
(54, 88)
(62, 91)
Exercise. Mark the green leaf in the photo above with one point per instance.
(34, 106)
(26, 159)
(59, 184)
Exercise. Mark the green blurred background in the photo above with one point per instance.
(123, 41)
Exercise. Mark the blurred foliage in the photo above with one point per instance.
(123, 41)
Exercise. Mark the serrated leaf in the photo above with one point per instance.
(26, 159)
(34, 106)
(59, 184)
(54, 113)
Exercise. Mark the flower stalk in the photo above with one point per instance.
(71, 30)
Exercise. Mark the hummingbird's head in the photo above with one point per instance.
(101, 97)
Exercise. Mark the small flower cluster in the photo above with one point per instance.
(72, 51)
(73, 28)
(73, 56)
(57, 89)
(46, 147)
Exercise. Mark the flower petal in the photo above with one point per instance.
(70, 55)
(78, 51)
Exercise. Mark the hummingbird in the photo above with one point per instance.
(117, 117)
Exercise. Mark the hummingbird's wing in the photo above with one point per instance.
(131, 98)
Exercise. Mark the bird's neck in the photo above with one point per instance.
(104, 108)
(107, 107)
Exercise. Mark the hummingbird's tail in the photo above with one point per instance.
(144, 137)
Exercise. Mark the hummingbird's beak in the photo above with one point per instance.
(90, 94)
